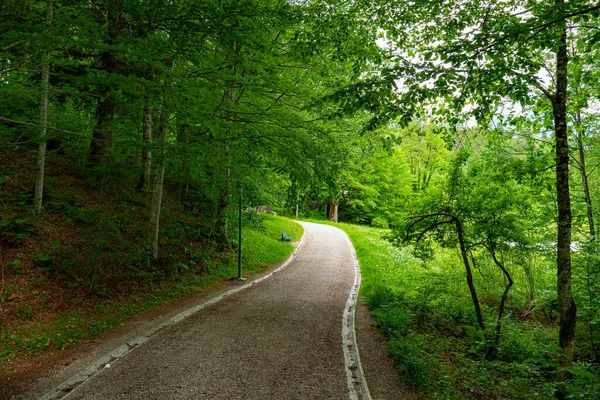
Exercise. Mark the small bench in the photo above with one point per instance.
(285, 237)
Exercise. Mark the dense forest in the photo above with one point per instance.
(467, 130)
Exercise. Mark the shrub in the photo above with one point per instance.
(394, 320)
(14, 231)
(380, 222)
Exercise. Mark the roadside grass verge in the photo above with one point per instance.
(424, 311)
(262, 248)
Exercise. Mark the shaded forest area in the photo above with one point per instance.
(468, 129)
(126, 130)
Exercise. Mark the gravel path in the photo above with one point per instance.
(280, 339)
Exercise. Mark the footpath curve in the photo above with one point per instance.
(287, 337)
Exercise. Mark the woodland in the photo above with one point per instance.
(463, 132)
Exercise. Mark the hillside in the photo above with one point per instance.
(82, 267)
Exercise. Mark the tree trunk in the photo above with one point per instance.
(147, 149)
(493, 348)
(233, 98)
(41, 158)
(332, 210)
(182, 139)
(453, 219)
(584, 177)
(428, 169)
(99, 153)
(159, 174)
(157, 186)
(591, 294)
(419, 164)
(465, 258)
(102, 134)
(225, 200)
(566, 304)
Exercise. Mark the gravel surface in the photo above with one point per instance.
(280, 339)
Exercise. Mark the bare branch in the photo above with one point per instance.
(17, 43)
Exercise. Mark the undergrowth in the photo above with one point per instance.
(83, 265)
(425, 312)
(107, 306)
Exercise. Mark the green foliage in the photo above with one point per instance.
(586, 266)
(253, 218)
(424, 310)
(380, 222)
(14, 231)
(249, 109)
(408, 357)
(60, 260)
(263, 248)
(283, 105)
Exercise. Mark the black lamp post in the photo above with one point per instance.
(240, 278)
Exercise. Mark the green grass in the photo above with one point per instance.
(262, 247)
(381, 264)
(425, 312)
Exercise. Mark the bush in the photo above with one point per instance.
(380, 222)
(380, 295)
(585, 383)
(254, 219)
(394, 320)
(424, 308)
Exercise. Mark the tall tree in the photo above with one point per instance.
(147, 147)
(566, 304)
(476, 55)
(478, 207)
(582, 91)
(109, 14)
(158, 179)
(41, 158)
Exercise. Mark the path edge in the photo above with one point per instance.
(69, 386)
(357, 381)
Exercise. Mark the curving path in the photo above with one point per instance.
(278, 339)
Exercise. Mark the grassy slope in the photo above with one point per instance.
(262, 249)
(426, 314)
(82, 266)
(265, 247)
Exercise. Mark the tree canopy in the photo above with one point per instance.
(459, 125)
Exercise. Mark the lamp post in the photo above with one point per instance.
(239, 277)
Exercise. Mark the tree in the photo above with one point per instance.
(582, 92)
(244, 93)
(41, 159)
(147, 148)
(477, 210)
(157, 184)
(102, 137)
(476, 55)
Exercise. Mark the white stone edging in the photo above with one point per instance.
(357, 382)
